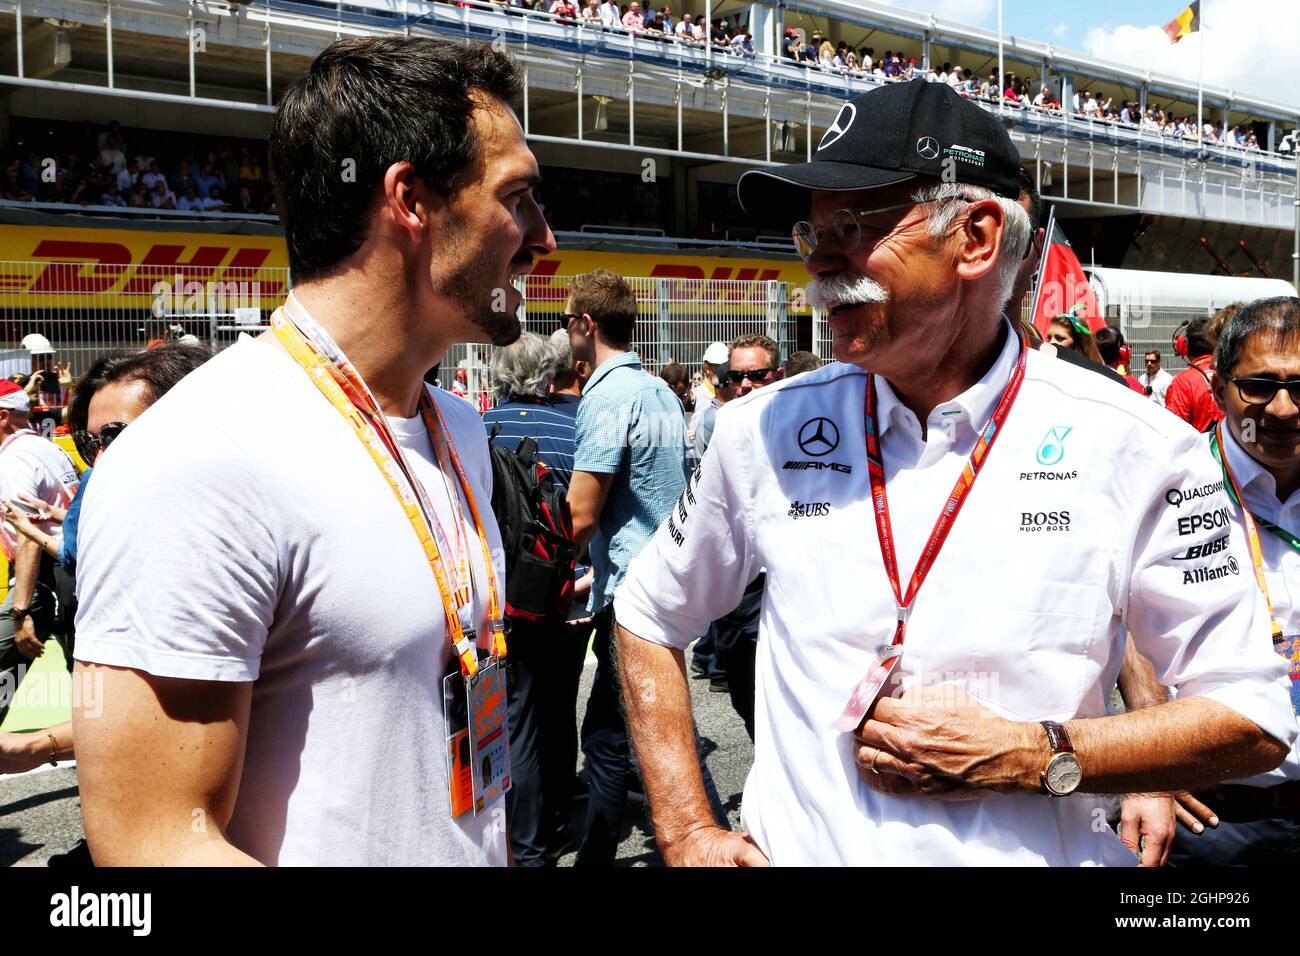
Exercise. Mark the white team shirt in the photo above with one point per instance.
(33, 465)
(1159, 385)
(239, 531)
(1066, 539)
(1281, 572)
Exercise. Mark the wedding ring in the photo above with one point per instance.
(872, 768)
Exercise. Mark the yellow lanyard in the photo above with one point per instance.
(339, 382)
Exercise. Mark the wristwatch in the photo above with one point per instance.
(1062, 773)
(20, 613)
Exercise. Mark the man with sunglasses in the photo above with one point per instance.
(33, 467)
(954, 543)
(1257, 385)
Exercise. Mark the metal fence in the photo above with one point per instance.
(87, 309)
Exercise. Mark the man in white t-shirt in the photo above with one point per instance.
(1155, 380)
(990, 734)
(32, 468)
(269, 636)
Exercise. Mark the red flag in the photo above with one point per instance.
(1062, 285)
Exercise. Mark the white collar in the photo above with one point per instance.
(1258, 486)
(973, 406)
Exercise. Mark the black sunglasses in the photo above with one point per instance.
(755, 375)
(1261, 391)
(565, 318)
(89, 446)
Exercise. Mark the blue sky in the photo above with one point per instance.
(1251, 44)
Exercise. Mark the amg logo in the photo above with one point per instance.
(1034, 521)
(818, 466)
(1204, 550)
(1201, 575)
(811, 509)
(1048, 475)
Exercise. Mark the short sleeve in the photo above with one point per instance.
(177, 571)
(602, 434)
(1193, 608)
(664, 597)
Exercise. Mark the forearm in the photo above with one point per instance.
(27, 564)
(1186, 744)
(1137, 681)
(662, 734)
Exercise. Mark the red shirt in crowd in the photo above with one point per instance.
(1190, 396)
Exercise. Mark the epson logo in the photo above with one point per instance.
(818, 466)
(1218, 518)
(1204, 550)
(1034, 521)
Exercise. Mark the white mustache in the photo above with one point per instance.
(847, 288)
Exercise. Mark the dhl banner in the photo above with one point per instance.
(121, 268)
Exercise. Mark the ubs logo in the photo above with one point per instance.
(818, 437)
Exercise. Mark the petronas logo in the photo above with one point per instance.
(1051, 449)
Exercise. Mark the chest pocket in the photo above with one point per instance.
(1064, 630)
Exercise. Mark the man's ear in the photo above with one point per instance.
(982, 235)
(1219, 386)
(406, 200)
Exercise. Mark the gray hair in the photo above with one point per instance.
(563, 350)
(1016, 227)
(1279, 316)
(524, 368)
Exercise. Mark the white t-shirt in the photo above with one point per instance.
(239, 531)
(1159, 385)
(33, 465)
(1063, 543)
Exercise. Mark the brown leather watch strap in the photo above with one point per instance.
(1057, 737)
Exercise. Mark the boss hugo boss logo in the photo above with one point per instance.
(1201, 575)
(1191, 524)
(927, 147)
(818, 437)
(1177, 497)
(1204, 550)
(843, 120)
(810, 509)
(1032, 522)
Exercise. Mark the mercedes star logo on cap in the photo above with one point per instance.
(840, 126)
(818, 437)
(927, 147)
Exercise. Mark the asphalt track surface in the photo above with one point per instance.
(40, 812)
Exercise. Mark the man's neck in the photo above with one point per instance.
(378, 330)
(1286, 481)
(605, 352)
(965, 363)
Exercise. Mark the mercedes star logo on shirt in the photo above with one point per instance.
(927, 147)
(818, 437)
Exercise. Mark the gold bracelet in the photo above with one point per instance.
(54, 749)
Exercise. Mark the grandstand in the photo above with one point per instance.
(641, 136)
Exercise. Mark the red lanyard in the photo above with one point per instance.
(957, 498)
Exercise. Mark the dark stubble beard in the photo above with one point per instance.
(470, 287)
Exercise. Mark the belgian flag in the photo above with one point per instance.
(1189, 21)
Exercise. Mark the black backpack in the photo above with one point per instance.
(532, 512)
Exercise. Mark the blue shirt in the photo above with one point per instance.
(551, 423)
(68, 550)
(630, 426)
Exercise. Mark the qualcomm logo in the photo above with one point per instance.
(1050, 449)
(843, 120)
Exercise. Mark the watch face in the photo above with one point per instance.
(1063, 774)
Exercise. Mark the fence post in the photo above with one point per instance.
(777, 327)
(663, 319)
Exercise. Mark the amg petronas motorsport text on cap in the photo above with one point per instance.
(889, 135)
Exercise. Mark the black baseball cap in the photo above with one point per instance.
(889, 135)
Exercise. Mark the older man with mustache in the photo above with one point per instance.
(954, 549)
